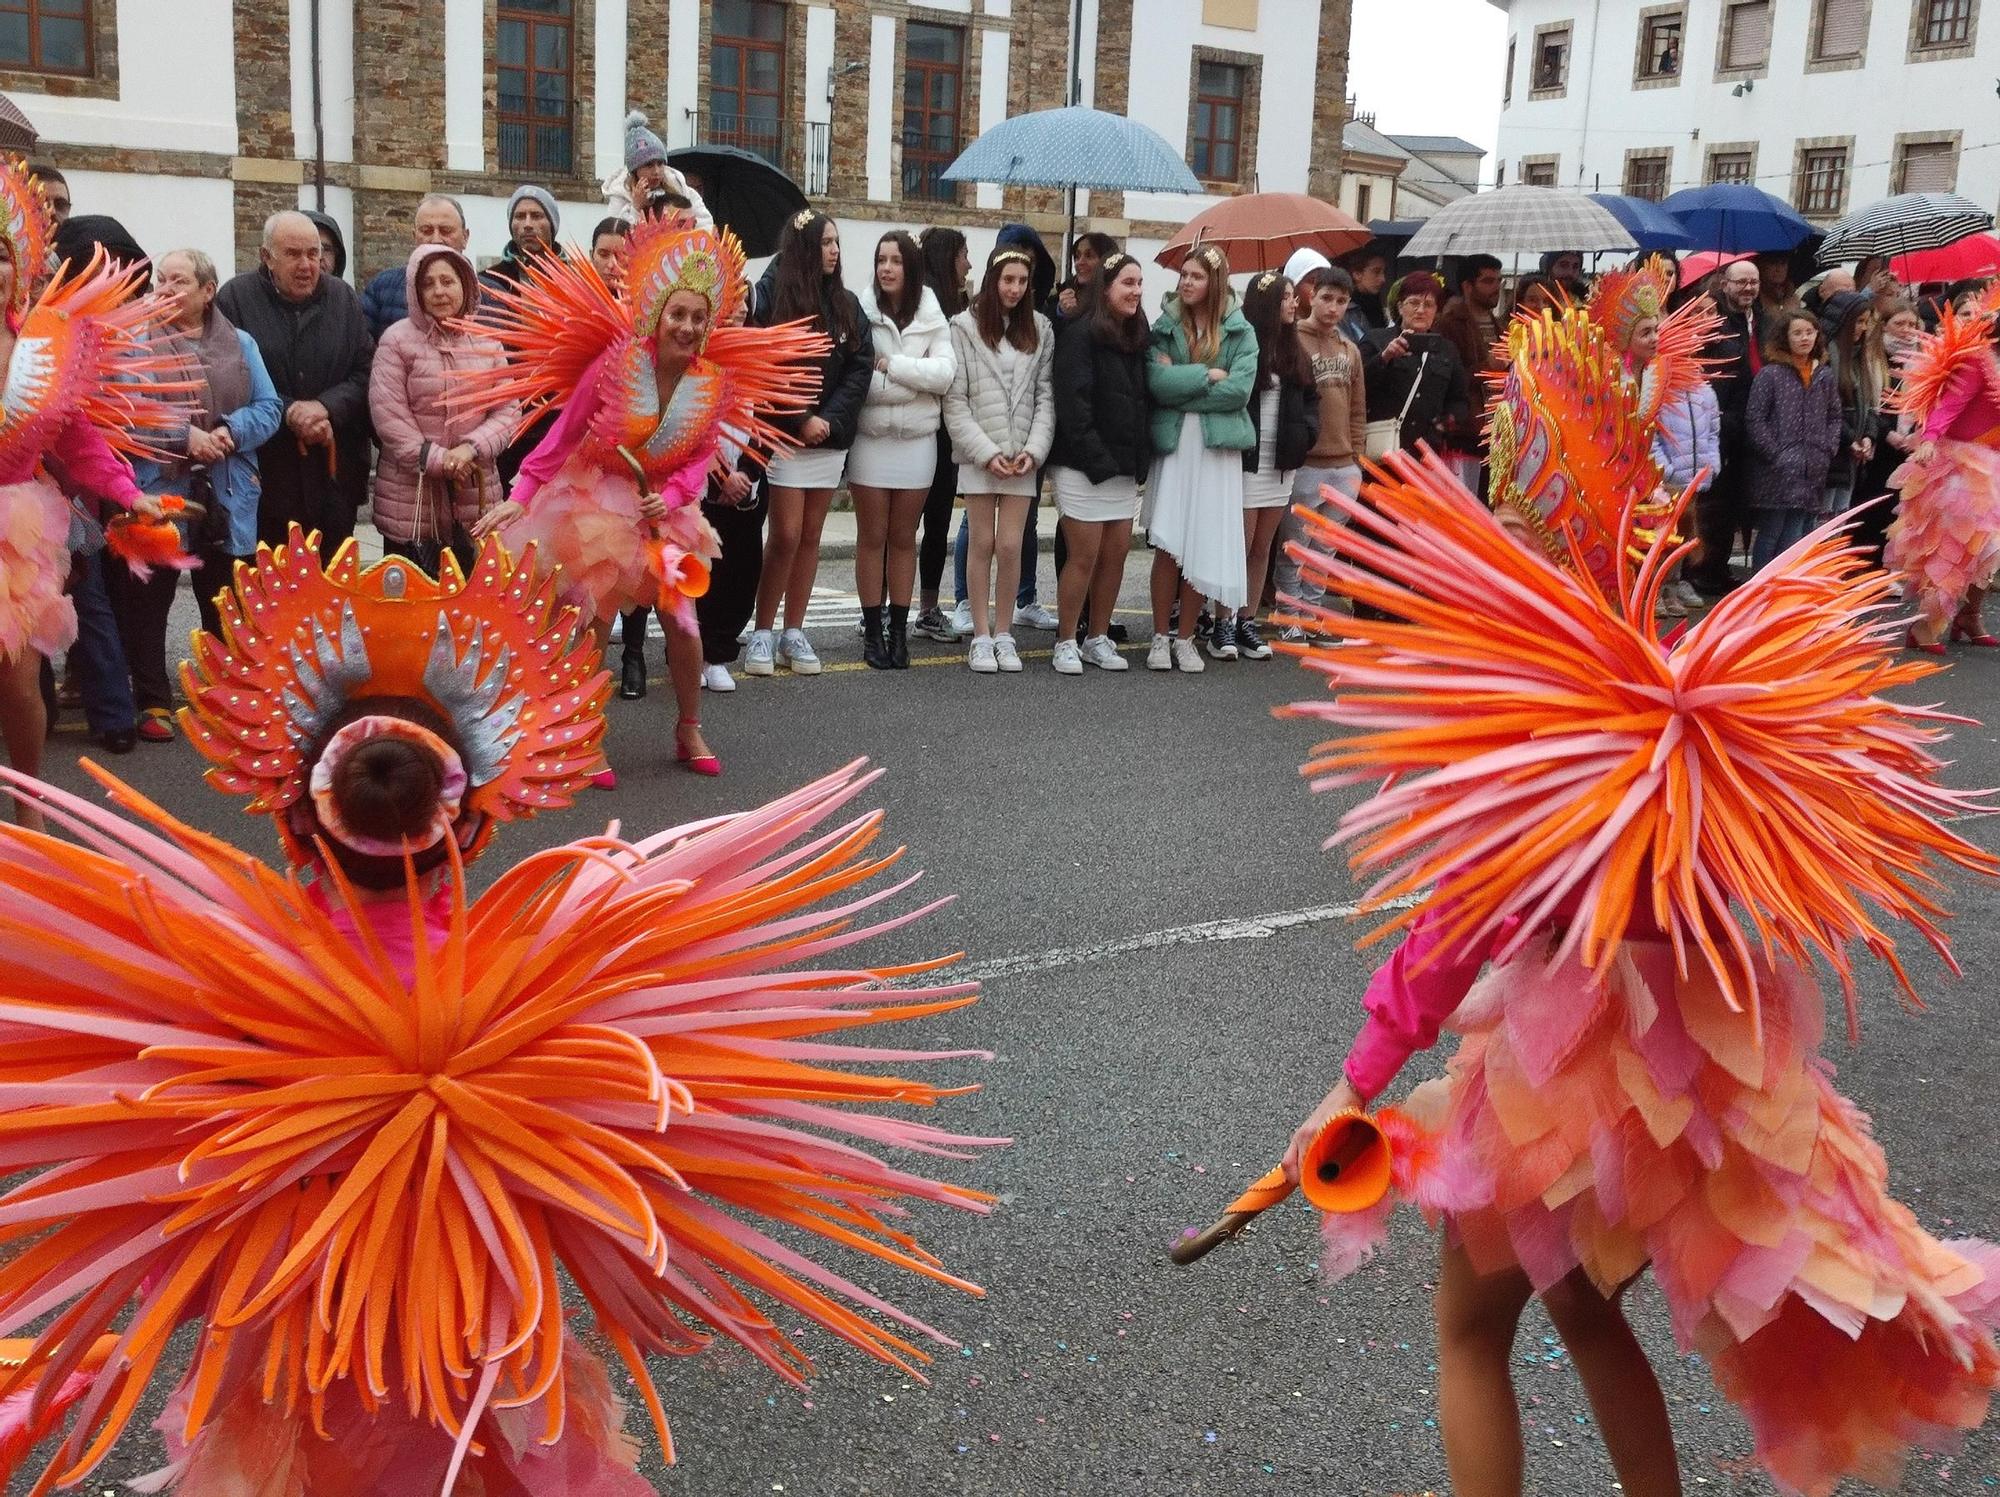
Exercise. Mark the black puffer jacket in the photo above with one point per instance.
(1298, 425)
(844, 374)
(1103, 413)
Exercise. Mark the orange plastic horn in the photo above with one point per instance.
(1346, 1169)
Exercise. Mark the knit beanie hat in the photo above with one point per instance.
(541, 195)
(641, 145)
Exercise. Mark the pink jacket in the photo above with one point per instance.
(415, 364)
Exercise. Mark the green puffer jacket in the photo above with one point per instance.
(1181, 387)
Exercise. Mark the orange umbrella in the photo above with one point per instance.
(1261, 230)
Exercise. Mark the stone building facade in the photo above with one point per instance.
(194, 120)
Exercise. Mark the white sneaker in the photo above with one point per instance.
(982, 658)
(1160, 657)
(1068, 659)
(798, 653)
(960, 618)
(1103, 654)
(1688, 596)
(1034, 616)
(1671, 607)
(1187, 657)
(1008, 656)
(757, 658)
(717, 678)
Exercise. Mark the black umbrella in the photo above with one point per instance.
(744, 191)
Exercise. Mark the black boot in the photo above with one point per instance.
(632, 680)
(898, 642)
(874, 652)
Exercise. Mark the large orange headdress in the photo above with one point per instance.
(1569, 447)
(26, 226)
(489, 651)
(1622, 299)
(665, 256)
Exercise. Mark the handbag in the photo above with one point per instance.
(1384, 437)
(445, 531)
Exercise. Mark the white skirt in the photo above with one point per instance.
(809, 468)
(1266, 490)
(973, 480)
(893, 462)
(1077, 498)
(1194, 512)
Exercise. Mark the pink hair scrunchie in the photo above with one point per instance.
(346, 741)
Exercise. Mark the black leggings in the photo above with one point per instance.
(141, 609)
(937, 520)
(732, 584)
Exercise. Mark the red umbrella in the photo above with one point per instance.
(1260, 230)
(1978, 255)
(1694, 267)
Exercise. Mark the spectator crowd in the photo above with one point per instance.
(953, 388)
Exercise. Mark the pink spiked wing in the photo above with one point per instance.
(623, 1059)
(1544, 754)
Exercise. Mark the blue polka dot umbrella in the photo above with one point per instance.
(1074, 147)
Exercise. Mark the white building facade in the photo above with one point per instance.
(1828, 104)
(191, 120)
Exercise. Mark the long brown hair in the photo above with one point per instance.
(1127, 333)
(912, 294)
(995, 321)
(1778, 337)
(801, 289)
(1203, 325)
(941, 247)
(1280, 355)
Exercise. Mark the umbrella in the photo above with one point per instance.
(1902, 224)
(1260, 230)
(1074, 147)
(1971, 257)
(747, 194)
(1736, 217)
(1645, 221)
(1694, 267)
(17, 132)
(1519, 221)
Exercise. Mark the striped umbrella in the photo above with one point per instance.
(1904, 224)
(1519, 221)
(17, 131)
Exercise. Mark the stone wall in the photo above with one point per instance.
(1336, 21)
(399, 135)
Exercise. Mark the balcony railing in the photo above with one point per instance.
(535, 141)
(806, 154)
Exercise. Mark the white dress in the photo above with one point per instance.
(1267, 488)
(809, 468)
(1077, 498)
(893, 462)
(1194, 512)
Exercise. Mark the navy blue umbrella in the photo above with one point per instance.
(1736, 219)
(1647, 222)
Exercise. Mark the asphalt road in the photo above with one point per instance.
(1114, 844)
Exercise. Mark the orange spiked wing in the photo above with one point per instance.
(1545, 758)
(623, 1059)
(1960, 348)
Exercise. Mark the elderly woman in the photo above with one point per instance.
(1414, 374)
(438, 471)
(237, 413)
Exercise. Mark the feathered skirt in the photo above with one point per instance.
(34, 563)
(1642, 1120)
(251, 1448)
(1945, 539)
(585, 521)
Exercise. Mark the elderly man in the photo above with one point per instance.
(386, 298)
(315, 343)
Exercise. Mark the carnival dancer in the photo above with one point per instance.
(353, 1122)
(1945, 540)
(1643, 844)
(649, 384)
(84, 390)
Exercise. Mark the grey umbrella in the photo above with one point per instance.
(1519, 221)
(1074, 147)
(17, 131)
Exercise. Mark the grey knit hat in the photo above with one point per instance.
(641, 144)
(541, 195)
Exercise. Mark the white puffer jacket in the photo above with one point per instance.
(908, 399)
(988, 413)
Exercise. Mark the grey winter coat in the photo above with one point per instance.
(986, 415)
(1792, 428)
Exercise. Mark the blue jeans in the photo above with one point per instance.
(98, 657)
(1776, 530)
(1030, 550)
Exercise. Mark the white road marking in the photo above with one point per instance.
(1242, 928)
